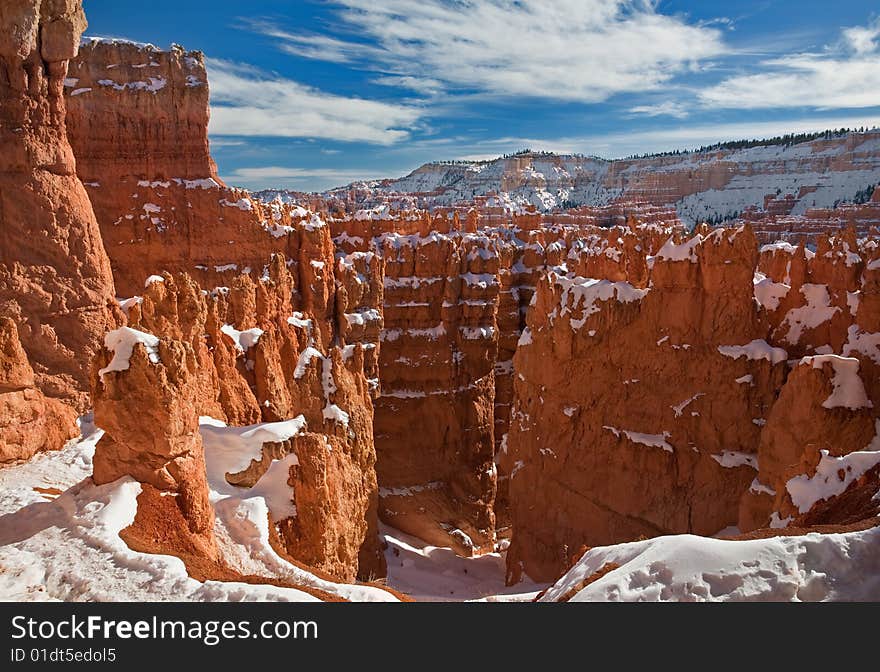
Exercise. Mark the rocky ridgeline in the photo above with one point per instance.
(709, 185)
(775, 221)
(726, 387)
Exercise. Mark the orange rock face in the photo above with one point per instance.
(456, 292)
(29, 421)
(138, 123)
(145, 397)
(55, 279)
(581, 377)
(647, 408)
(288, 330)
(267, 351)
(135, 111)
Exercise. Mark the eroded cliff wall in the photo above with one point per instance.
(55, 278)
(264, 355)
(138, 123)
(689, 400)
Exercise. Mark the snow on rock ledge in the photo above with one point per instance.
(689, 568)
(757, 349)
(585, 292)
(768, 293)
(650, 440)
(849, 391)
(230, 450)
(827, 482)
(243, 340)
(121, 343)
(680, 252)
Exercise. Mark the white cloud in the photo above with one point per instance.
(863, 39)
(424, 85)
(318, 47)
(247, 102)
(266, 177)
(847, 76)
(579, 50)
(626, 143)
(665, 109)
(225, 142)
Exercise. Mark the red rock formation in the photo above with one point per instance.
(580, 414)
(138, 123)
(597, 432)
(612, 454)
(55, 279)
(280, 337)
(145, 399)
(771, 225)
(136, 112)
(813, 425)
(438, 359)
(29, 421)
(455, 298)
(272, 349)
(811, 417)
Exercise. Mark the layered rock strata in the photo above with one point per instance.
(55, 278)
(456, 292)
(759, 394)
(29, 421)
(137, 119)
(271, 351)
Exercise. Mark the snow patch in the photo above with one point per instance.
(121, 343)
(756, 350)
(243, 340)
(827, 482)
(230, 450)
(650, 440)
(849, 390)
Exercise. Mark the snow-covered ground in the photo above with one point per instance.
(435, 574)
(689, 568)
(67, 547)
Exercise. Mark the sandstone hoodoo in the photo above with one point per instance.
(55, 279)
(264, 355)
(142, 382)
(541, 377)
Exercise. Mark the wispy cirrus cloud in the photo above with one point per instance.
(573, 50)
(248, 102)
(289, 177)
(667, 108)
(628, 142)
(317, 47)
(423, 85)
(844, 75)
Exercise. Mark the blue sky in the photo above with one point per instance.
(312, 94)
